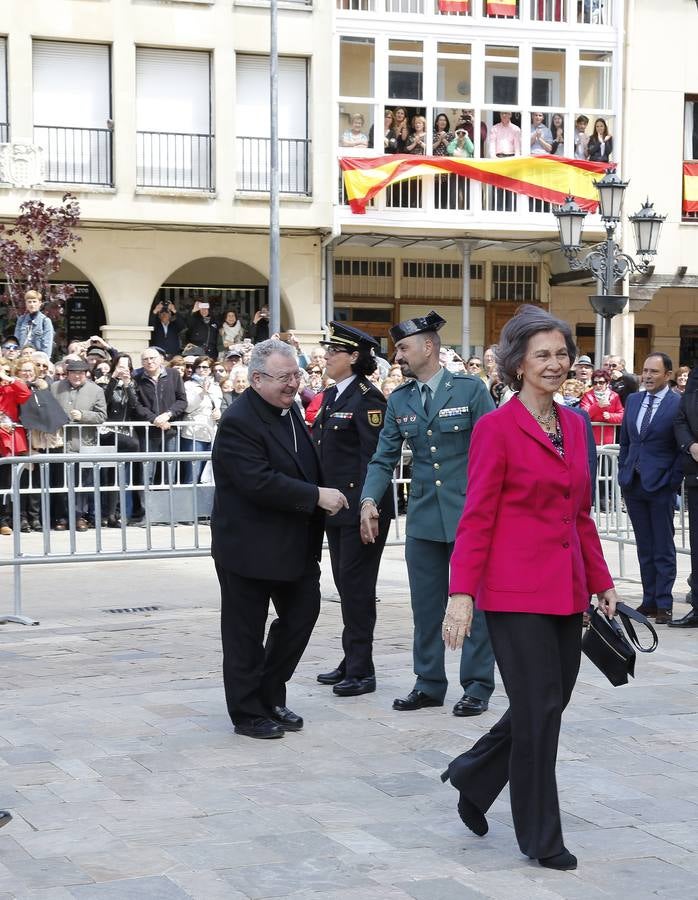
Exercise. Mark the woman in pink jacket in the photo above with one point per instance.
(604, 408)
(528, 553)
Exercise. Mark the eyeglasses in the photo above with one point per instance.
(286, 378)
(612, 365)
(10, 347)
(599, 381)
(332, 350)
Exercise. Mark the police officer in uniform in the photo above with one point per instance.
(434, 413)
(345, 432)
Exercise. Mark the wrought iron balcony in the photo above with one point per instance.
(175, 160)
(253, 165)
(76, 155)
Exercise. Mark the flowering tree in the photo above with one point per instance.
(31, 251)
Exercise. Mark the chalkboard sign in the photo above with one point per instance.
(83, 313)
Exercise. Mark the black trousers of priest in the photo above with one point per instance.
(255, 673)
(355, 570)
(538, 658)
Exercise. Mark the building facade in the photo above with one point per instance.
(156, 115)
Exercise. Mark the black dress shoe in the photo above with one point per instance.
(470, 706)
(5, 817)
(469, 814)
(259, 728)
(352, 687)
(25, 527)
(690, 620)
(647, 610)
(36, 525)
(113, 522)
(285, 717)
(415, 700)
(333, 677)
(564, 860)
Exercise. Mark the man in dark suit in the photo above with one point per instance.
(686, 431)
(649, 473)
(345, 432)
(266, 541)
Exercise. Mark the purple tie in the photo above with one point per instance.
(647, 418)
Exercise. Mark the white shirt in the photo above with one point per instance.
(343, 384)
(658, 397)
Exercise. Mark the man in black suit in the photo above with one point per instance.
(686, 431)
(345, 432)
(266, 541)
(649, 473)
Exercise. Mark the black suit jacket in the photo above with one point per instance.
(686, 430)
(346, 437)
(265, 522)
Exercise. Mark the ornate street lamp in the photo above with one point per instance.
(606, 260)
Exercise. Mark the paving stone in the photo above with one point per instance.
(156, 888)
(440, 889)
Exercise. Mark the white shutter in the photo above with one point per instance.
(3, 83)
(253, 126)
(173, 119)
(252, 89)
(173, 91)
(71, 84)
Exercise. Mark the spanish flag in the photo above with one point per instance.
(454, 6)
(550, 178)
(501, 8)
(690, 187)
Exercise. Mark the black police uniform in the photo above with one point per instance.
(345, 432)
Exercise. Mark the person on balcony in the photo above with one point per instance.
(402, 129)
(504, 141)
(604, 408)
(600, 146)
(557, 128)
(166, 328)
(389, 134)
(203, 329)
(417, 141)
(355, 136)
(581, 138)
(541, 135)
(444, 185)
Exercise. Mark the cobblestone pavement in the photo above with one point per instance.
(119, 763)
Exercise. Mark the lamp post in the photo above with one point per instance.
(606, 260)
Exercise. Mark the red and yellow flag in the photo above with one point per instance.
(550, 178)
(501, 7)
(454, 6)
(690, 187)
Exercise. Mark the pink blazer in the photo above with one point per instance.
(526, 541)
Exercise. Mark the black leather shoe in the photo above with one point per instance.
(5, 817)
(662, 617)
(259, 728)
(564, 860)
(285, 717)
(352, 687)
(649, 611)
(25, 527)
(415, 700)
(690, 620)
(35, 525)
(333, 677)
(470, 706)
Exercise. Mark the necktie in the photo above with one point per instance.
(647, 418)
(426, 398)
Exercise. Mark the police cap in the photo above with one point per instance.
(419, 325)
(345, 337)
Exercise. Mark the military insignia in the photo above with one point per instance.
(375, 417)
(412, 418)
(342, 415)
(453, 411)
(364, 388)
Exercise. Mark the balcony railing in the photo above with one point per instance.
(173, 160)
(253, 165)
(4, 132)
(581, 12)
(76, 155)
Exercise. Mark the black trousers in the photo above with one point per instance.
(255, 673)
(538, 658)
(355, 572)
(691, 495)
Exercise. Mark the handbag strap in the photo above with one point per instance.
(627, 613)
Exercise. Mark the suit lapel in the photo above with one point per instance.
(527, 423)
(346, 394)
(414, 401)
(280, 430)
(665, 408)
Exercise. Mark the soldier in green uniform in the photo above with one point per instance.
(434, 413)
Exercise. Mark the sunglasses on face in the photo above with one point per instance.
(600, 381)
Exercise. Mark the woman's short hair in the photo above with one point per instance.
(513, 342)
(574, 385)
(117, 360)
(601, 373)
(175, 361)
(365, 364)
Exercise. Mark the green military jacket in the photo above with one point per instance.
(439, 444)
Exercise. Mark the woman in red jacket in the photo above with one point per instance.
(604, 408)
(528, 552)
(13, 438)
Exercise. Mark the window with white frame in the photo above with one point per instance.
(72, 110)
(515, 283)
(4, 127)
(357, 86)
(435, 280)
(253, 124)
(175, 141)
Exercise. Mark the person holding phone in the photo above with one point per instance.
(203, 329)
(204, 399)
(120, 395)
(166, 328)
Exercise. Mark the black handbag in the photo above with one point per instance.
(607, 646)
